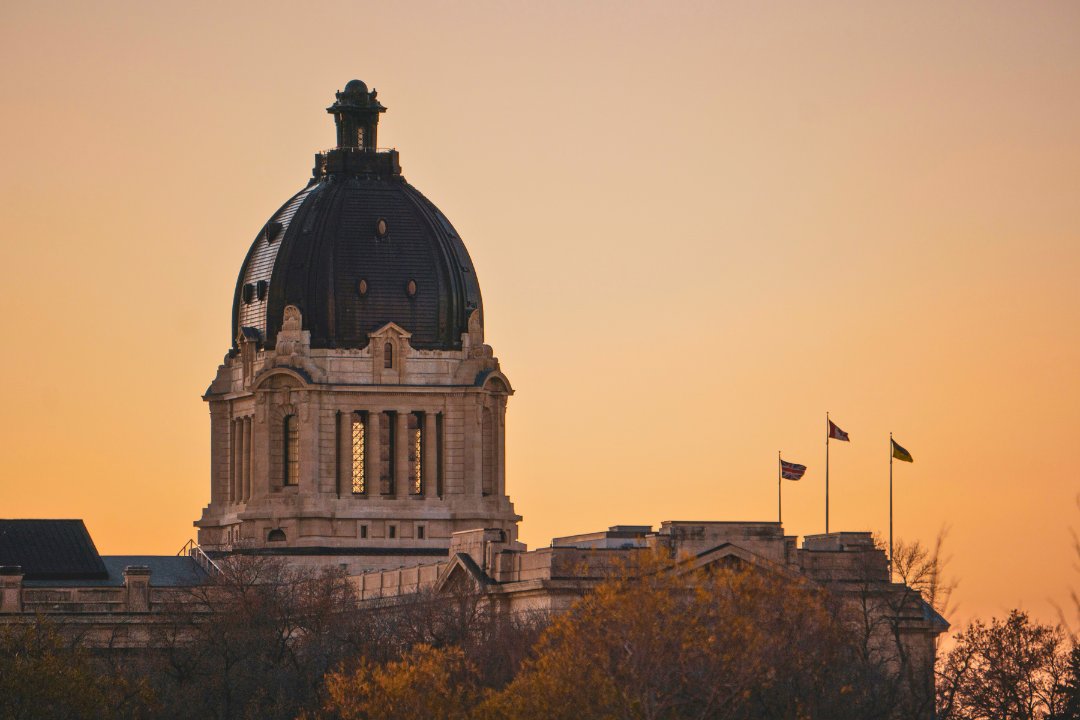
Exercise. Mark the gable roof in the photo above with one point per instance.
(50, 549)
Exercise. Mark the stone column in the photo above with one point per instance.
(242, 459)
(11, 579)
(137, 588)
(234, 460)
(308, 411)
(401, 454)
(220, 452)
(260, 447)
(343, 429)
(499, 437)
(474, 446)
(373, 453)
(430, 460)
(249, 457)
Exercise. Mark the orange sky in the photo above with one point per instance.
(698, 226)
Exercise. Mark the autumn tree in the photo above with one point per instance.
(661, 640)
(426, 682)
(43, 676)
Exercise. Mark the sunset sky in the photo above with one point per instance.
(697, 227)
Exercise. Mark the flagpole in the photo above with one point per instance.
(890, 508)
(827, 433)
(779, 491)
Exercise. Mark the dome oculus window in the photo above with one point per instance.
(260, 289)
(411, 288)
(361, 287)
(249, 293)
(381, 228)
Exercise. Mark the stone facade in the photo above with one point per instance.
(392, 449)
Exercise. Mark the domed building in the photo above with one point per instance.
(358, 413)
(358, 421)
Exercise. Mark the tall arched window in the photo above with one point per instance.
(291, 446)
(388, 355)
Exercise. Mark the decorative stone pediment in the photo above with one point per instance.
(729, 555)
(390, 330)
(462, 574)
(389, 347)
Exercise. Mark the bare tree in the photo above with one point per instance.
(1012, 669)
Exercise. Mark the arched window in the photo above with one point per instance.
(291, 447)
(388, 355)
(276, 535)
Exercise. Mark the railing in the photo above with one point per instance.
(193, 550)
(358, 150)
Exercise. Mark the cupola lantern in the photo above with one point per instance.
(356, 113)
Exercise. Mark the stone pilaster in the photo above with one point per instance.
(373, 453)
(235, 467)
(401, 454)
(429, 463)
(499, 433)
(11, 580)
(248, 452)
(137, 588)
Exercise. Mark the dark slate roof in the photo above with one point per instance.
(165, 571)
(50, 550)
(317, 248)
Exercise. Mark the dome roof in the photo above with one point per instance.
(356, 249)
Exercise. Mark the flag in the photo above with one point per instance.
(900, 453)
(791, 471)
(836, 433)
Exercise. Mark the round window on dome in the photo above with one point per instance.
(361, 287)
(249, 293)
(381, 228)
(411, 288)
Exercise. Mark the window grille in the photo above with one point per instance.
(291, 450)
(358, 449)
(418, 469)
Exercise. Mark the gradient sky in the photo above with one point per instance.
(697, 226)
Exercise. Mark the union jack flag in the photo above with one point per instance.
(791, 471)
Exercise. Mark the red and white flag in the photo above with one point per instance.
(836, 433)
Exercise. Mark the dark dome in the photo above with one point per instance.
(355, 86)
(357, 248)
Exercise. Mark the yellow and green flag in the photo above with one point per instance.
(900, 453)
